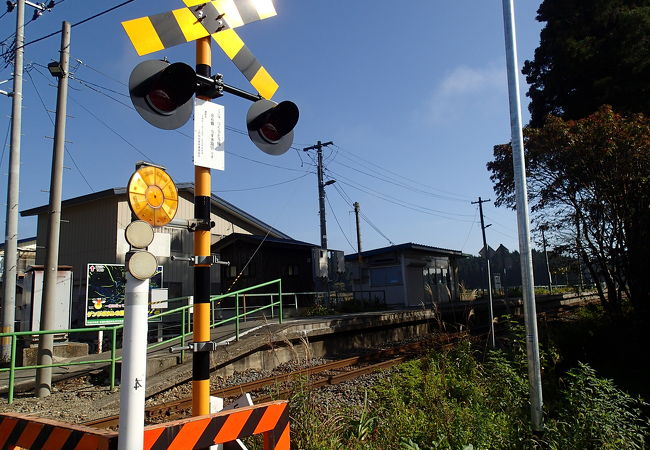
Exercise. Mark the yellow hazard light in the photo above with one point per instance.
(152, 196)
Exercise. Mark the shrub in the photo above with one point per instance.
(594, 413)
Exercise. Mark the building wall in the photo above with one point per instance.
(88, 235)
(439, 285)
(290, 263)
(93, 232)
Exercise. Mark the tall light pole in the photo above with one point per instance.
(11, 227)
(523, 221)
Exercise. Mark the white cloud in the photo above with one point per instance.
(468, 80)
(467, 91)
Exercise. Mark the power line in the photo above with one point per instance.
(470, 230)
(38, 94)
(83, 63)
(73, 25)
(147, 157)
(266, 186)
(399, 202)
(399, 176)
(339, 224)
(396, 183)
(96, 88)
(348, 200)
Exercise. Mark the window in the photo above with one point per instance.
(232, 271)
(176, 241)
(292, 270)
(386, 276)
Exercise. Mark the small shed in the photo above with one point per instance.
(256, 259)
(408, 274)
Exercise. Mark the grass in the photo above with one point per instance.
(465, 399)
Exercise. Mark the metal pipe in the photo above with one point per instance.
(280, 297)
(183, 344)
(12, 369)
(237, 317)
(113, 356)
(523, 221)
(241, 93)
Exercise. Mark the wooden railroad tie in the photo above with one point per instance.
(20, 431)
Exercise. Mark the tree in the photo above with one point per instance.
(591, 53)
(589, 182)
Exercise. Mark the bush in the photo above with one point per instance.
(594, 413)
(450, 400)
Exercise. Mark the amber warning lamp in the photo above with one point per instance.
(153, 196)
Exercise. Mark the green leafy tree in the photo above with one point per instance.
(591, 53)
(589, 182)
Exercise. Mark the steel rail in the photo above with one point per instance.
(171, 409)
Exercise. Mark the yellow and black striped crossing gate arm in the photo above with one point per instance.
(216, 18)
(246, 62)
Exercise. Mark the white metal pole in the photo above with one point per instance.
(134, 364)
(523, 221)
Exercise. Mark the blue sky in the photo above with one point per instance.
(413, 95)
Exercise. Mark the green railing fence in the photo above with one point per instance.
(182, 338)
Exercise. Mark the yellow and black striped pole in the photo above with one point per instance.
(202, 193)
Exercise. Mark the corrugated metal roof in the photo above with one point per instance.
(231, 238)
(407, 246)
(188, 187)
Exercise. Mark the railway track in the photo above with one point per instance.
(279, 386)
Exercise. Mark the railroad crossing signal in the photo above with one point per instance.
(270, 125)
(162, 92)
(216, 18)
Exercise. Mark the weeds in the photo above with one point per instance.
(458, 399)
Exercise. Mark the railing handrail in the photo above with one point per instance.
(113, 328)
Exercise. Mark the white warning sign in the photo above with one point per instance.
(209, 134)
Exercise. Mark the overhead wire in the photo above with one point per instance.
(346, 198)
(4, 145)
(396, 183)
(98, 89)
(147, 157)
(394, 200)
(264, 187)
(67, 151)
(83, 63)
(462, 248)
(339, 224)
(367, 162)
(94, 16)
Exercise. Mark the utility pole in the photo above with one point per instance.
(357, 210)
(48, 303)
(487, 266)
(321, 190)
(548, 267)
(11, 227)
(321, 205)
(523, 220)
